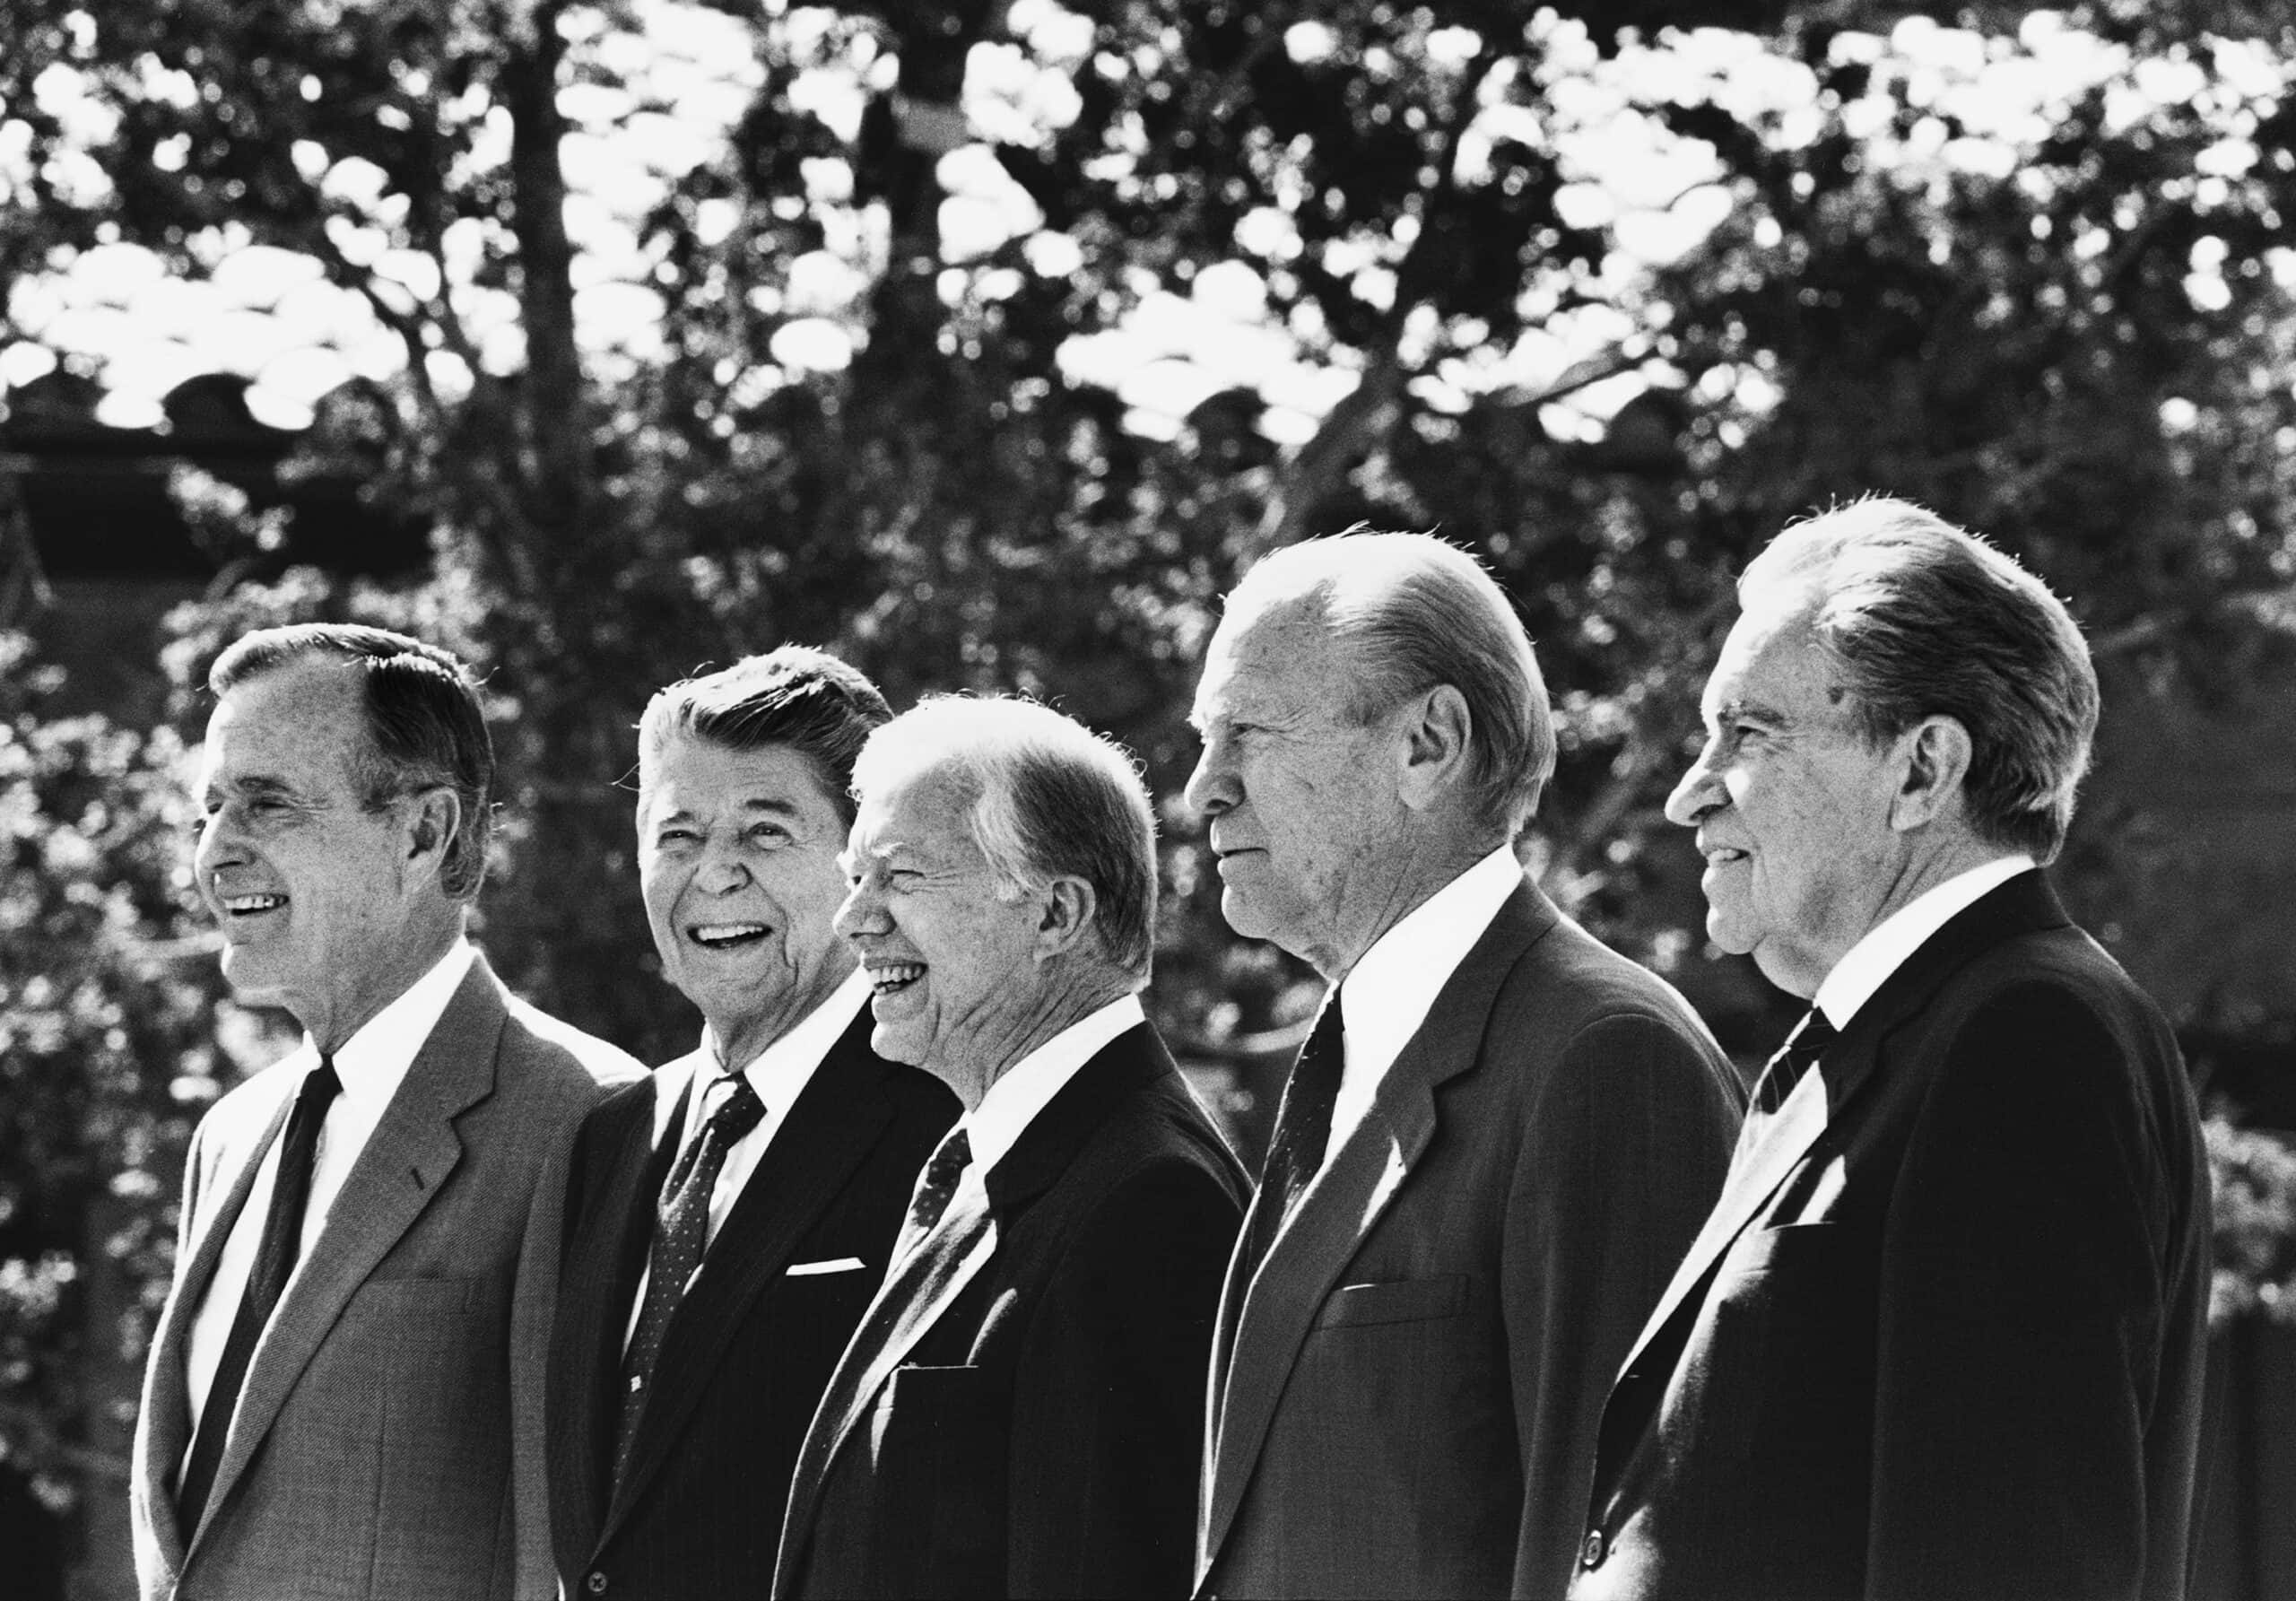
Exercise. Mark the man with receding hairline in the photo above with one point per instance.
(1944, 1335)
(345, 1391)
(1499, 1135)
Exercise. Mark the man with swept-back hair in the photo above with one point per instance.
(344, 1392)
(1016, 1413)
(1499, 1135)
(730, 1217)
(1944, 1335)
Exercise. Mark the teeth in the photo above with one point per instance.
(891, 975)
(718, 934)
(1725, 853)
(246, 903)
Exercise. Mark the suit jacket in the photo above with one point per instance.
(1951, 1345)
(698, 1510)
(1404, 1400)
(388, 1439)
(1039, 1437)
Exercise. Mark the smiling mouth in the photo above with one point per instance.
(1720, 856)
(893, 976)
(248, 906)
(727, 936)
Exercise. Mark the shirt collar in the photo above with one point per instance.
(1013, 1100)
(374, 1061)
(1890, 942)
(780, 1071)
(1387, 993)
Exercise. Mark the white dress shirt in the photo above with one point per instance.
(372, 1064)
(778, 1074)
(1890, 942)
(1387, 996)
(995, 1125)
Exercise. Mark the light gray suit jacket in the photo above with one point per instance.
(388, 1441)
(1404, 1397)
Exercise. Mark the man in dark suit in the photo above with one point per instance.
(344, 1392)
(1016, 1414)
(1943, 1336)
(730, 1218)
(1500, 1135)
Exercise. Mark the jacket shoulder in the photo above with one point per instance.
(538, 1044)
(1568, 980)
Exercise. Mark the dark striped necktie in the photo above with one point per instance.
(1302, 1126)
(1810, 1040)
(274, 1264)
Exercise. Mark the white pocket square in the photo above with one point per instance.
(798, 1270)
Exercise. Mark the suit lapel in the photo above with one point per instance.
(1045, 1147)
(599, 1281)
(408, 1157)
(169, 1434)
(829, 1131)
(1263, 1323)
(1846, 1071)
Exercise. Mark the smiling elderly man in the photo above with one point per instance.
(344, 1395)
(1943, 1337)
(733, 1217)
(1017, 1413)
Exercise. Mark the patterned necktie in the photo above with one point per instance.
(1302, 1126)
(1811, 1039)
(680, 1235)
(275, 1263)
(934, 1187)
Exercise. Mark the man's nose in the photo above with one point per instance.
(1212, 788)
(1699, 792)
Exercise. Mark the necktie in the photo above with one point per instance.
(953, 1225)
(1811, 1039)
(934, 1187)
(1302, 1126)
(274, 1262)
(680, 1234)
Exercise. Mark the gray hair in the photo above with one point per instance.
(424, 728)
(1923, 619)
(1048, 798)
(1420, 611)
(797, 696)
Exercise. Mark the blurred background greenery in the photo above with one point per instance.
(985, 343)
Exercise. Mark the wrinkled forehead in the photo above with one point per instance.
(307, 714)
(925, 813)
(1281, 653)
(1772, 656)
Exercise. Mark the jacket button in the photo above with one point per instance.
(596, 1584)
(1593, 1549)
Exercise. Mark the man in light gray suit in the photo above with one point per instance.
(345, 1394)
(1501, 1137)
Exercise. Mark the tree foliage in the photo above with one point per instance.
(2069, 330)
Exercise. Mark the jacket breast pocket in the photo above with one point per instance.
(1405, 1301)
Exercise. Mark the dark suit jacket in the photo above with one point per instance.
(1951, 1345)
(1405, 1403)
(1040, 1438)
(698, 1512)
(389, 1437)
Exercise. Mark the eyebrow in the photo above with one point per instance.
(1752, 710)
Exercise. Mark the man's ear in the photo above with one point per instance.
(1436, 728)
(1934, 754)
(432, 817)
(1066, 910)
